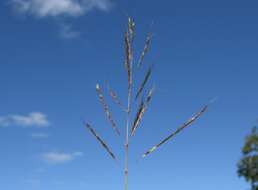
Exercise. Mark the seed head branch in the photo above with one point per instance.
(188, 123)
(106, 109)
(99, 139)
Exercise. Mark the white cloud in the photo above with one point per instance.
(33, 119)
(59, 157)
(46, 8)
(39, 135)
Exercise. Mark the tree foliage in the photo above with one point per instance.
(248, 165)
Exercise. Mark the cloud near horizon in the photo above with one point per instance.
(54, 8)
(60, 157)
(33, 119)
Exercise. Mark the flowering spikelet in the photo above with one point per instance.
(188, 123)
(128, 59)
(141, 110)
(145, 49)
(145, 80)
(114, 96)
(106, 109)
(138, 117)
(103, 144)
(131, 28)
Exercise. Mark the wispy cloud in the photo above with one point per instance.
(60, 10)
(60, 157)
(53, 8)
(67, 32)
(39, 135)
(33, 119)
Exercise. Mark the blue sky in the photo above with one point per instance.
(52, 53)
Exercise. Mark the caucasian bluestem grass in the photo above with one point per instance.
(135, 122)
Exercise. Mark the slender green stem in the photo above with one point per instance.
(127, 138)
(126, 155)
(127, 128)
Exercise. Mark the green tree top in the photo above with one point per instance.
(248, 165)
